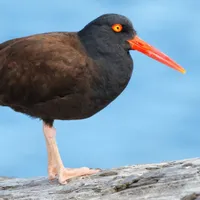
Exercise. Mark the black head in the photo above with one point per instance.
(111, 36)
(108, 33)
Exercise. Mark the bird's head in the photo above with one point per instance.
(117, 31)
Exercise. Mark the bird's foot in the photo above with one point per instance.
(66, 173)
(52, 173)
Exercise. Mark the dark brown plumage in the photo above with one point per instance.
(66, 76)
(46, 76)
(50, 76)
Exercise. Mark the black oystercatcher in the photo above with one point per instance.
(68, 76)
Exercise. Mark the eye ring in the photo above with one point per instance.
(117, 28)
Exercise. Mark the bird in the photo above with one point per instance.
(71, 76)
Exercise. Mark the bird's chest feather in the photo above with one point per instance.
(112, 80)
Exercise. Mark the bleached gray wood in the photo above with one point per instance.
(179, 180)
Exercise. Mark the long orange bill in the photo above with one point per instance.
(138, 44)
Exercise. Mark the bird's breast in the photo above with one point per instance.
(111, 81)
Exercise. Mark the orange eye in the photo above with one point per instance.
(117, 28)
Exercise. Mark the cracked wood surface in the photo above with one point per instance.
(178, 180)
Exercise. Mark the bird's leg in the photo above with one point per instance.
(52, 166)
(63, 173)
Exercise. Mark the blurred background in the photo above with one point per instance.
(155, 119)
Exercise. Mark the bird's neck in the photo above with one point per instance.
(109, 56)
(113, 64)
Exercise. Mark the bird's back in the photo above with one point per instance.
(38, 69)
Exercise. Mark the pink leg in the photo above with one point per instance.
(52, 167)
(55, 164)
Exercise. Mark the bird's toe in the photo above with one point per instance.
(66, 173)
(52, 173)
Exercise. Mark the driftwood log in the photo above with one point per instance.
(178, 180)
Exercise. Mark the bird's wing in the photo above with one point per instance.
(42, 67)
(9, 42)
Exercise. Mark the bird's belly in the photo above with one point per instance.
(74, 106)
(71, 107)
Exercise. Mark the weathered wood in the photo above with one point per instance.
(178, 180)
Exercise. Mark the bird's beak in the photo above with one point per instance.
(138, 44)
